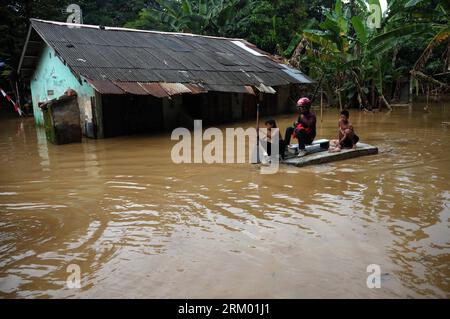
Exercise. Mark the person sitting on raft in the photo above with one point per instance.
(271, 126)
(347, 136)
(304, 130)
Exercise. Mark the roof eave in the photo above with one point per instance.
(24, 50)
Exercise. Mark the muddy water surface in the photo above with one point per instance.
(140, 226)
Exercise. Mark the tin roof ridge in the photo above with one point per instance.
(106, 28)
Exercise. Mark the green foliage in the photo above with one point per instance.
(412, 3)
(352, 57)
(272, 25)
(355, 58)
(110, 13)
(14, 19)
(195, 16)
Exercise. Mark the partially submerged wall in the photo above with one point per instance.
(51, 79)
(62, 120)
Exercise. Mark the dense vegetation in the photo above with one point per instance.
(359, 55)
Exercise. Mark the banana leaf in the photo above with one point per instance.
(412, 3)
(406, 30)
(293, 44)
(320, 39)
(360, 29)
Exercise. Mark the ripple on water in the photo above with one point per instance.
(140, 226)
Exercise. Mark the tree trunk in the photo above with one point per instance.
(386, 102)
(340, 101)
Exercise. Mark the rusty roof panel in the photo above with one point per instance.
(132, 88)
(175, 88)
(105, 87)
(266, 89)
(250, 90)
(196, 89)
(154, 89)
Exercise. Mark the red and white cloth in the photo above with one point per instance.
(16, 106)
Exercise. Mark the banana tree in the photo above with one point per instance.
(196, 16)
(434, 26)
(441, 35)
(341, 48)
(359, 60)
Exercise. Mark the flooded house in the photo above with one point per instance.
(133, 81)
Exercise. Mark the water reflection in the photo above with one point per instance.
(139, 226)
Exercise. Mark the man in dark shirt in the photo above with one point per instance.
(305, 128)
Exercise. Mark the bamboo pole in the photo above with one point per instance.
(258, 105)
(321, 104)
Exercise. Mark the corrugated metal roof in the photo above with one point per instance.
(299, 76)
(265, 89)
(106, 87)
(132, 88)
(195, 89)
(250, 90)
(175, 88)
(227, 88)
(126, 57)
(154, 89)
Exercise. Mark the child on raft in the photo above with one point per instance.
(272, 129)
(347, 137)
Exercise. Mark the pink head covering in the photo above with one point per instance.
(304, 101)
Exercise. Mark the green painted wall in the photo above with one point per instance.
(52, 76)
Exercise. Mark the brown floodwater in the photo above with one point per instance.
(140, 226)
